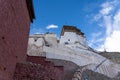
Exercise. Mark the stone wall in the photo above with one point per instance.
(69, 67)
(37, 68)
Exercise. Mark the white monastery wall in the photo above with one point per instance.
(69, 37)
(51, 39)
(78, 53)
(81, 39)
(85, 58)
(36, 41)
(72, 37)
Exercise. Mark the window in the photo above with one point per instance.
(66, 43)
(35, 39)
(68, 39)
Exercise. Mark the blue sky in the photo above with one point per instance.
(98, 19)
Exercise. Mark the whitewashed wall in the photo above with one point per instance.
(76, 53)
(51, 39)
(38, 42)
(84, 57)
(73, 37)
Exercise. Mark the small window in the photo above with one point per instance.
(47, 45)
(66, 43)
(35, 39)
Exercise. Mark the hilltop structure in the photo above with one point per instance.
(71, 35)
(72, 48)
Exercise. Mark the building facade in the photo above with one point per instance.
(15, 19)
(72, 35)
(72, 48)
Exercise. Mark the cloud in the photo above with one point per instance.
(97, 17)
(112, 42)
(107, 7)
(52, 26)
(107, 22)
(95, 38)
(109, 14)
(116, 23)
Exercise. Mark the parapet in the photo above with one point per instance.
(67, 28)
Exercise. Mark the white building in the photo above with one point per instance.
(71, 47)
(72, 35)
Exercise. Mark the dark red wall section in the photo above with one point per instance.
(14, 32)
(37, 68)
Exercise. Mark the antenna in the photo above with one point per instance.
(104, 49)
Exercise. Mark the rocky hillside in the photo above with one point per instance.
(114, 56)
(90, 75)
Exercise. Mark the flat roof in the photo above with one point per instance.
(67, 28)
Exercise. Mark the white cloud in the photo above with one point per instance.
(96, 34)
(97, 17)
(52, 26)
(109, 14)
(107, 22)
(100, 48)
(107, 7)
(116, 23)
(95, 39)
(106, 11)
(112, 42)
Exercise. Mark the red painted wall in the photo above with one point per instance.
(37, 68)
(14, 33)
